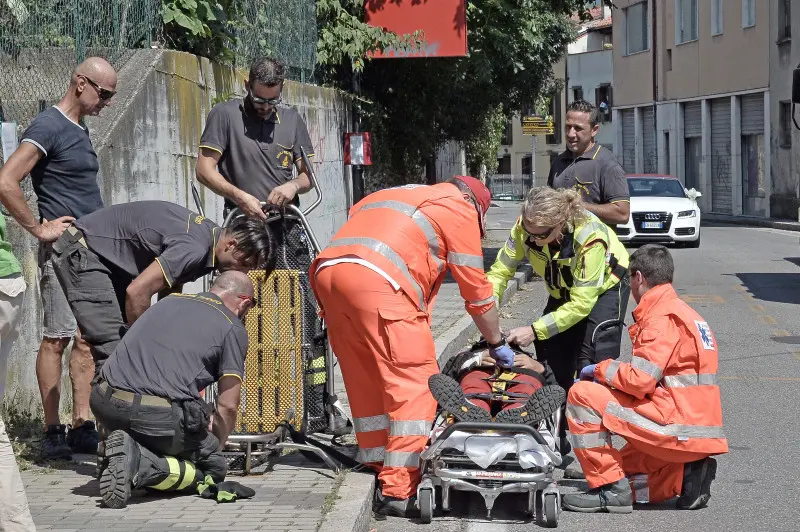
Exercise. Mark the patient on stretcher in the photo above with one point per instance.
(471, 387)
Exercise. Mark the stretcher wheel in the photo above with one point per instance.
(426, 505)
(550, 510)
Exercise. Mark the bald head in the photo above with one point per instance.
(95, 68)
(234, 282)
(91, 89)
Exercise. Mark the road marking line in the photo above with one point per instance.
(769, 320)
(702, 298)
(738, 378)
(780, 332)
(486, 527)
(797, 355)
(757, 308)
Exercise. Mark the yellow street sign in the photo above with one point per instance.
(537, 125)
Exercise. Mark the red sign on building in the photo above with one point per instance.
(444, 23)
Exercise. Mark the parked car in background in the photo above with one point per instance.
(662, 210)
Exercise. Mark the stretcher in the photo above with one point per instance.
(492, 459)
(287, 392)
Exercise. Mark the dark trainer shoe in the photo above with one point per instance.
(83, 439)
(451, 398)
(613, 498)
(55, 445)
(119, 476)
(542, 404)
(385, 505)
(696, 490)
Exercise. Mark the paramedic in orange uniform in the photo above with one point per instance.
(665, 403)
(375, 284)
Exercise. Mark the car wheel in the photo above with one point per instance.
(694, 243)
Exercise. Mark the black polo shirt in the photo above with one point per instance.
(257, 155)
(130, 236)
(596, 173)
(178, 347)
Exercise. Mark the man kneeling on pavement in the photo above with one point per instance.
(163, 435)
(665, 403)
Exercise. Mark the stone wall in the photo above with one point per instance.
(147, 146)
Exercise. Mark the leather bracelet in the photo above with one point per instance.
(502, 343)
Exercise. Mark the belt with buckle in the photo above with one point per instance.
(129, 397)
(74, 231)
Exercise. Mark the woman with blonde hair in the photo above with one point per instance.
(585, 269)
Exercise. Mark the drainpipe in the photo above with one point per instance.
(655, 75)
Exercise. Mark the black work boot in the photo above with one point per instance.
(542, 404)
(54, 446)
(451, 398)
(386, 505)
(83, 439)
(696, 490)
(120, 475)
(615, 498)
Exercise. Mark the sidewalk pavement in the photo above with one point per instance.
(292, 493)
(787, 225)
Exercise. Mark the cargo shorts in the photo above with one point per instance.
(58, 322)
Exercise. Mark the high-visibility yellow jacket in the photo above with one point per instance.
(586, 263)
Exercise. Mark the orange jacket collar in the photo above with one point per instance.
(653, 297)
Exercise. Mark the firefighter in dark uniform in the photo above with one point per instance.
(164, 435)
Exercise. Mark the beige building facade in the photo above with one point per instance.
(692, 96)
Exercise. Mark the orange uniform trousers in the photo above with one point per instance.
(386, 351)
(655, 473)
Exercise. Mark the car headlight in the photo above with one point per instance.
(687, 214)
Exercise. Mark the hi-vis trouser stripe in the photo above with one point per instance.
(410, 428)
(590, 441)
(371, 423)
(682, 432)
(641, 491)
(401, 459)
(582, 414)
(181, 475)
(370, 454)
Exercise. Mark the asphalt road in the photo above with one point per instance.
(746, 283)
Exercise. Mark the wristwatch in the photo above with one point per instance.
(500, 344)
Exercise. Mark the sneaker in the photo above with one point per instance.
(615, 498)
(385, 505)
(451, 398)
(696, 490)
(116, 482)
(83, 439)
(542, 404)
(55, 445)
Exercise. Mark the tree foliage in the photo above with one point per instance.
(415, 105)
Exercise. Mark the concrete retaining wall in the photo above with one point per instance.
(147, 146)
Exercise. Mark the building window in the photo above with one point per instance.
(785, 120)
(668, 60)
(784, 20)
(527, 167)
(685, 21)
(508, 134)
(504, 165)
(636, 30)
(554, 110)
(748, 13)
(752, 168)
(667, 157)
(716, 17)
(603, 101)
(577, 93)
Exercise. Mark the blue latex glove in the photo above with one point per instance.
(504, 355)
(587, 373)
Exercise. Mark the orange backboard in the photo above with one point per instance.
(443, 21)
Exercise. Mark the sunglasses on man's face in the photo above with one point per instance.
(103, 93)
(261, 101)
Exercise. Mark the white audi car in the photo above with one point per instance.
(662, 211)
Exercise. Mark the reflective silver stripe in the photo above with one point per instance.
(390, 254)
(418, 218)
(583, 414)
(590, 441)
(611, 370)
(482, 301)
(464, 259)
(368, 424)
(680, 431)
(401, 459)
(550, 324)
(592, 283)
(507, 261)
(410, 428)
(587, 230)
(370, 454)
(647, 366)
(685, 381)
(640, 488)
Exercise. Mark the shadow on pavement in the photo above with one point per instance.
(775, 287)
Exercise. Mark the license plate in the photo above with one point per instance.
(652, 225)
